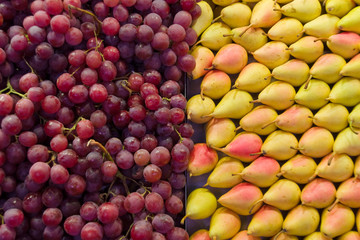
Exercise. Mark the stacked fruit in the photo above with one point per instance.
(287, 73)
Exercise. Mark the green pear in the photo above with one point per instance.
(266, 222)
(352, 235)
(298, 169)
(260, 120)
(313, 94)
(346, 92)
(198, 107)
(215, 84)
(327, 68)
(339, 8)
(201, 234)
(316, 142)
(213, 38)
(250, 38)
(348, 193)
(219, 132)
(354, 118)
(224, 224)
(307, 49)
(323, 26)
(253, 78)
(319, 193)
(201, 204)
(332, 116)
(317, 236)
(202, 159)
(294, 71)
(278, 95)
(338, 221)
(235, 104)
(347, 142)
(352, 68)
(241, 198)
(287, 30)
(243, 235)
(302, 10)
(231, 58)
(350, 22)
(272, 54)
(223, 175)
(345, 44)
(243, 147)
(235, 15)
(261, 172)
(284, 236)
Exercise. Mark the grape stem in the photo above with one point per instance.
(181, 138)
(98, 22)
(69, 130)
(52, 159)
(10, 90)
(2, 219)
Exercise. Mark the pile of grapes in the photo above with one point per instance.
(93, 139)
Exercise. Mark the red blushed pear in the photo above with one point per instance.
(339, 220)
(352, 235)
(346, 44)
(201, 234)
(244, 147)
(348, 193)
(319, 193)
(202, 159)
(243, 235)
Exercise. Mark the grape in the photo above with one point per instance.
(6, 104)
(177, 234)
(134, 202)
(114, 229)
(6, 232)
(52, 196)
(13, 217)
(163, 223)
(110, 26)
(75, 185)
(92, 231)
(73, 225)
(174, 204)
(127, 32)
(141, 230)
(52, 217)
(152, 173)
(39, 172)
(107, 213)
(154, 202)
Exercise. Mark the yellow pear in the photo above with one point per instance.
(203, 59)
(219, 132)
(318, 193)
(231, 58)
(339, 8)
(213, 38)
(352, 68)
(204, 20)
(347, 142)
(313, 94)
(253, 78)
(272, 54)
(346, 92)
(251, 40)
(294, 71)
(224, 3)
(302, 10)
(350, 22)
(317, 236)
(198, 107)
(287, 30)
(224, 224)
(327, 68)
(235, 15)
(358, 220)
(354, 118)
(357, 167)
(266, 222)
(323, 26)
(316, 142)
(215, 84)
(307, 49)
(338, 221)
(332, 116)
(352, 235)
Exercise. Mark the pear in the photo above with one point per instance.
(357, 220)
(235, 15)
(348, 193)
(298, 169)
(251, 39)
(302, 10)
(266, 222)
(201, 204)
(204, 20)
(224, 224)
(319, 193)
(339, 8)
(278, 95)
(323, 26)
(241, 198)
(219, 132)
(316, 142)
(261, 172)
(357, 167)
(354, 118)
(287, 30)
(284, 236)
(307, 48)
(203, 59)
(352, 68)
(217, 12)
(347, 142)
(223, 175)
(272, 54)
(256, 120)
(346, 92)
(332, 116)
(198, 107)
(350, 22)
(313, 94)
(294, 71)
(202, 159)
(213, 38)
(235, 104)
(201, 234)
(327, 68)
(280, 145)
(253, 78)
(224, 3)
(243, 235)
(231, 58)
(317, 236)
(215, 84)
(243, 146)
(283, 194)
(338, 221)
(352, 235)
(345, 44)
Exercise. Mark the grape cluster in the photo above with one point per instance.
(93, 139)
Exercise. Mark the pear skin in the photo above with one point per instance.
(261, 172)
(307, 49)
(266, 222)
(251, 39)
(243, 146)
(313, 94)
(332, 116)
(278, 95)
(319, 193)
(253, 78)
(272, 54)
(236, 15)
(198, 107)
(348, 193)
(224, 224)
(323, 26)
(287, 30)
(302, 10)
(339, 8)
(317, 236)
(215, 84)
(338, 221)
(204, 20)
(241, 198)
(328, 67)
(231, 58)
(223, 3)
(219, 132)
(225, 173)
(284, 236)
(345, 44)
(280, 145)
(354, 118)
(357, 219)
(357, 167)
(352, 235)
(201, 234)
(335, 167)
(350, 22)
(203, 59)
(347, 142)
(260, 120)
(316, 142)
(213, 37)
(202, 159)
(352, 68)
(263, 14)
(298, 169)
(201, 204)
(294, 71)
(243, 235)
(346, 92)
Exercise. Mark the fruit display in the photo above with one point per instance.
(274, 101)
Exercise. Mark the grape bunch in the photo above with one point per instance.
(93, 138)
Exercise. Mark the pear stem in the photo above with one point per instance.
(333, 205)
(234, 86)
(255, 101)
(228, 35)
(202, 93)
(236, 174)
(247, 28)
(321, 39)
(278, 9)
(206, 184)
(255, 203)
(270, 76)
(282, 172)
(307, 82)
(237, 129)
(330, 159)
(216, 148)
(257, 153)
(296, 148)
(217, 18)
(352, 128)
(268, 124)
(313, 176)
(183, 219)
(210, 68)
